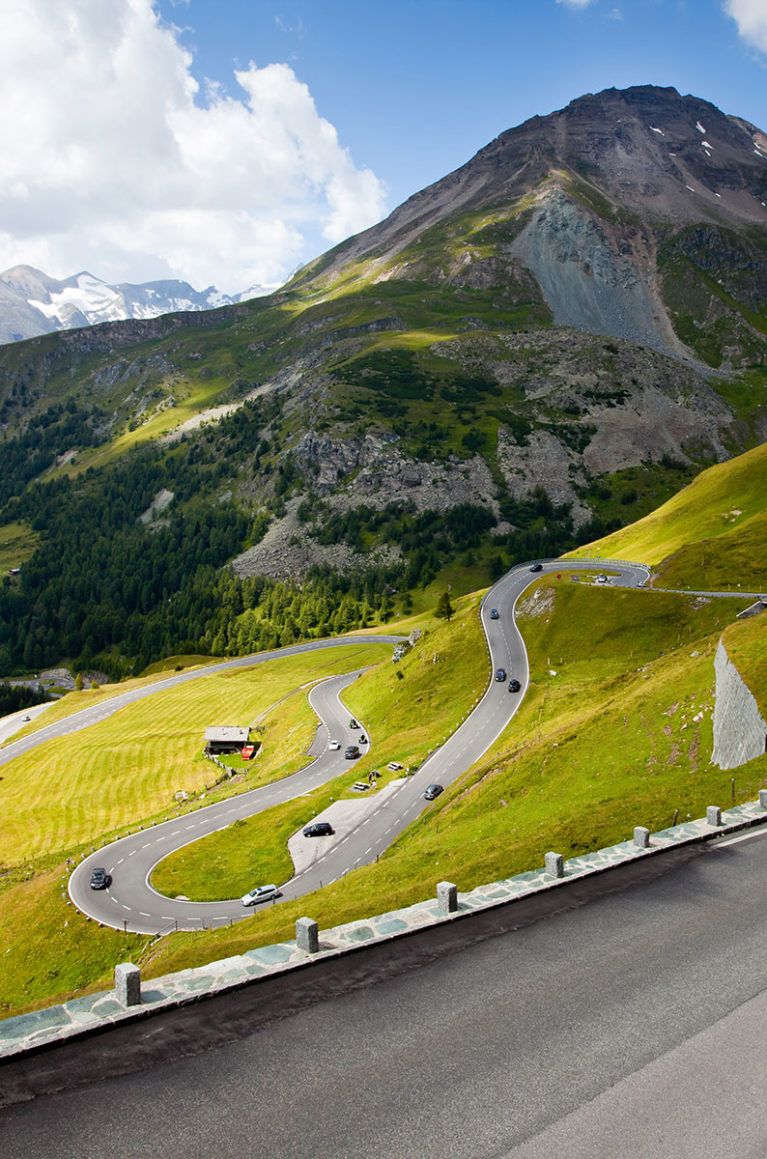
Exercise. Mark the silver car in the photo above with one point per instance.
(261, 893)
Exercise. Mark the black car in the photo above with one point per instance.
(353, 723)
(495, 614)
(500, 675)
(352, 752)
(433, 791)
(100, 879)
(514, 686)
(319, 829)
(537, 567)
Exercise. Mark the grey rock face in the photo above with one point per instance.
(740, 731)
(585, 282)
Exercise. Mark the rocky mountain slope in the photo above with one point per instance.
(33, 303)
(580, 311)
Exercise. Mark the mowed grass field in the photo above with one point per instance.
(83, 788)
(712, 535)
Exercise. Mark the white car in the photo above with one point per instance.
(260, 893)
(334, 745)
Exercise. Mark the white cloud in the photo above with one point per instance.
(115, 159)
(576, 3)
(751, 19)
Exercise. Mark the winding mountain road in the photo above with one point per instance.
(133, 905)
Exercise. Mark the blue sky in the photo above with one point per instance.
(229, 141)
(416, 87)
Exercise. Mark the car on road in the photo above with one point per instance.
(500, 675)
(514, 685)
(334, 746)
(433, 791)
(319, 829)
(495, 614)
(100, 879)
(26, 716)
(537, 567)
(352, 752)
(353, 723)
(260, 893)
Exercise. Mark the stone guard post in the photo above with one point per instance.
(307, 935)
(447, 897)
(128, 984)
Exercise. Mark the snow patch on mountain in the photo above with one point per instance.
(33, 303)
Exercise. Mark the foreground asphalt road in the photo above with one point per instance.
(130, 902)
(630, 1022)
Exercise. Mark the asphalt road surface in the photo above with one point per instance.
(620, 1016)
(130, 902)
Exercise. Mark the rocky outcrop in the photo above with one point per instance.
(374, 471)
(288, 551)
(740, 730)
(586, 283)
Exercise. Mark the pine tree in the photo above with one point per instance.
(444, 608)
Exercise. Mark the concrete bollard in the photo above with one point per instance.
(447, 897)
(642, 837)
(555, 865)
(307, 935)
(714, 815)
(128, 984)
(763, 798)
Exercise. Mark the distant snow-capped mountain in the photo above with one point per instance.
(33, 303)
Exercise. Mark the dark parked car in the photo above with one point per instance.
(514, 686)
(433, 791)
(495, 614)
(319, 829)
(500, 675)
(537, 567)
(100, 879)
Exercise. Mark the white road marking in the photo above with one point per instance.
(741, 837)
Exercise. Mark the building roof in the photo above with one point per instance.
(227, 734)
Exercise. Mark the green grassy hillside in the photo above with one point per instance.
(615, 731)
(712, 535)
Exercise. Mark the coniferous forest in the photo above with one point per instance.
(106, 590)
